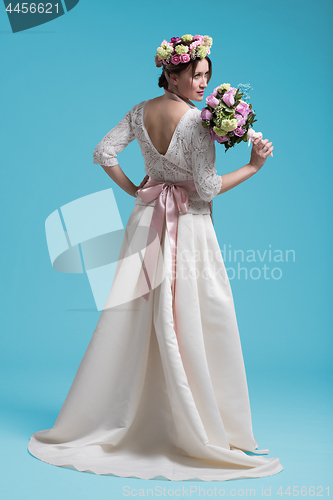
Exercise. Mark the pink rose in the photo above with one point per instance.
(218, 138)
(214, 93)
(243, 109)
(212, 101)
(228, 98)
(175, 59)
(241, 120)
(199, 38)
(206, 114)
(222, 139)
(185, 58)
(239, 132)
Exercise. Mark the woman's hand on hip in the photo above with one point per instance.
(142, 183)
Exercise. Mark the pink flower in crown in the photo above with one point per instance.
(199, 38)
(194, 44)
(228, 98)
(239, 132)
(175, 39)
(206, 114)
(175, 59)
(241, 120)
(212, 101)
(208, 50)
(166, 43)
(185, 58)
(218, 138)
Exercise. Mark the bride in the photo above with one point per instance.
(162, 389)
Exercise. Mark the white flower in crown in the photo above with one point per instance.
(181, 49)
(202, 51)
(208, 40)
(187, 38)
(165, 50)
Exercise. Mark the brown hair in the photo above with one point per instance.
(171, 68)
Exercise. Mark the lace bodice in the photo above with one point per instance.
(191, 155)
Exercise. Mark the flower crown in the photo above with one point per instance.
(183, 49)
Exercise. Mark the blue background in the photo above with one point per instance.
(64, 85)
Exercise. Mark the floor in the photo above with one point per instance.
(292, 417)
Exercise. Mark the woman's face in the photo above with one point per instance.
(183, 81)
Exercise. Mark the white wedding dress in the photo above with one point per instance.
(156, 395)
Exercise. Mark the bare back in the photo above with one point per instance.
(161, 117)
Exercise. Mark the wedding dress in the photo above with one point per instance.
(158, 394)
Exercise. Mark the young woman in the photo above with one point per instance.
(161, 389)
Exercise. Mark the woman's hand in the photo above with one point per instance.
(143, 182)
(260, 150)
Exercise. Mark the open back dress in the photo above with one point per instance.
(158, 393)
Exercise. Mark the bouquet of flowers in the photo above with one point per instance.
(229, 117)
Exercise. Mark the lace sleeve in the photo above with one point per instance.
(206, 180)
(114, 142)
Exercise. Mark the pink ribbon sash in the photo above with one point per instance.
(170, 198)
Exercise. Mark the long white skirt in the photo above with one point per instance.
(156, 398)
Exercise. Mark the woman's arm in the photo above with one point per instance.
(106, 151)
(260, 150)
(118, 176)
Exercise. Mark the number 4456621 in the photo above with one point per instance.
(33, 8)
(304, 491)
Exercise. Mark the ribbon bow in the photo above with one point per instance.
(252, 135)
(170, 198)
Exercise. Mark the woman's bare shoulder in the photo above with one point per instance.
(160, 106)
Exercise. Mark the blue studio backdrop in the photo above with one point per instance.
(69, 78)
